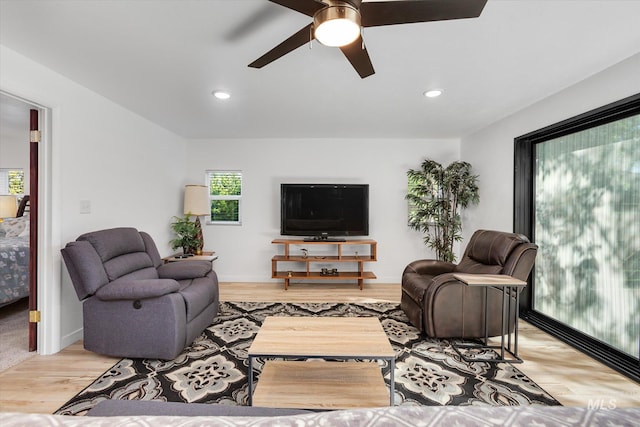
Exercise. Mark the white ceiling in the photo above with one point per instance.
(163, 58)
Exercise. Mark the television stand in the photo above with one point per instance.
(308, 259)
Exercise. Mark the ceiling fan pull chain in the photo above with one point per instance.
(362, 36)
(311, 37)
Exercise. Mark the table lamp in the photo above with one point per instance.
(8, 206)
(196, 202)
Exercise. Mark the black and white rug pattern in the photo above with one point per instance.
(214, 368)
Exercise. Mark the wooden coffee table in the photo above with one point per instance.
(342, 383)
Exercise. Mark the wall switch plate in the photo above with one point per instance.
(85, 206)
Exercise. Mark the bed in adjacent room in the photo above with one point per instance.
(14, 257)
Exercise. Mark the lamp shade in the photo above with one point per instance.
(196, 200)
(8, 206)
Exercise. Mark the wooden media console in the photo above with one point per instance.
(303, 263)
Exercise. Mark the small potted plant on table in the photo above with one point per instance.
(187, 235)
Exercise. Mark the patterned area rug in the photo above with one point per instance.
(214, 368)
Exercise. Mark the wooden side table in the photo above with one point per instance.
(508, 285)
(206, 256)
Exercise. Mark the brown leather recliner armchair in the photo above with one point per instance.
(443, 307)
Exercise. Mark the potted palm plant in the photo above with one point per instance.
(187, 235)
(436, 195)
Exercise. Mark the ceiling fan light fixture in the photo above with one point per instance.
(337, 26)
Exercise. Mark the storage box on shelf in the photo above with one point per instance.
(342, 252)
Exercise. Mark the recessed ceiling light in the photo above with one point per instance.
(220, 94)
(433, 93)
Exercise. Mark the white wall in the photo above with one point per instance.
(245, 251)
(491, 150)
(14, 136)
(128, 168)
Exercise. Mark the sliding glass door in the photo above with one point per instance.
(581, 180)
(587, 224)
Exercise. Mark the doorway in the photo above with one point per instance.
(19, 149)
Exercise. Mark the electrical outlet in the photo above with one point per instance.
(85, 206)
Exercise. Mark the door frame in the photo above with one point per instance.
(48, 258)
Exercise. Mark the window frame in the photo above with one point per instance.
(209, 173)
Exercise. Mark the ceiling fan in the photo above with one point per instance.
(339, 23)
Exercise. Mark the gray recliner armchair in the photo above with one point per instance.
(443, 307)
(134, 305)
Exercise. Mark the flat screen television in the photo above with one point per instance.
(324, 211)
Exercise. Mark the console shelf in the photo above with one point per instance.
(342, 252)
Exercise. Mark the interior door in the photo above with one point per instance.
(33, 230)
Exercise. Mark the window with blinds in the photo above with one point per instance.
(225, 194)
(12, 181)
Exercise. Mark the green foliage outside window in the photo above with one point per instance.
(12, 181)
(225, 189)
(16, 182)
(225, 210)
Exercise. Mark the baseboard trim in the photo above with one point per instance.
(73, 337)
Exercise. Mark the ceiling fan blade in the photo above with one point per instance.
(409, 11)
(308, 7)
(295, 41)
(259, 18)
(357, 54)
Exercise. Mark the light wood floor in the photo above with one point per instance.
(44, 383)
